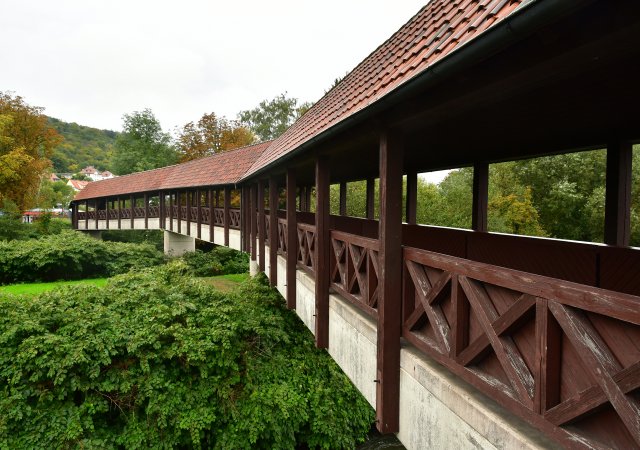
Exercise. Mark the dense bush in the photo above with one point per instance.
(153, 237)
(12, 228)
(160, 360)
(219, 261)
(71, 255)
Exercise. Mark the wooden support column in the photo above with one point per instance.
(171, 194)
(189, 203)
(322, 252)
(245, 224)
(179, 205)
(412, 198)
(480, 196)
(371, 207)
(617, 216)
(261, 226)
(161, 210)
(273, 231)
(199, 231)
(210, 206)
(254, 221)
(227, 205)
(343, 199)
(133, 215)
(95, 202)
(146, 211)
(86, 214)
(292, 239)
(107, 212)
(390, 284)
(119, 213)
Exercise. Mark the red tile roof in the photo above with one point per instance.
(218, 169)
(437, 30)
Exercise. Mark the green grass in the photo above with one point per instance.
(226, 283)
(32, 289)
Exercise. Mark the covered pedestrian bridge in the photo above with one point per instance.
(458, 338)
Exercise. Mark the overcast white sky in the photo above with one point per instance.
(92, 61)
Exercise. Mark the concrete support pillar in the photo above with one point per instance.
(177, 244)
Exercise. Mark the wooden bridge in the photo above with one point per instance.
(458, 338)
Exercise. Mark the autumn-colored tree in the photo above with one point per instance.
(26, 143)
(211, 134)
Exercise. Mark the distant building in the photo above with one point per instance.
(53, 178)
(95, 174)
(77, 185)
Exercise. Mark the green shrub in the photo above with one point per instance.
(219, 261)
(71, 255)
(160, 360)
(153, 237)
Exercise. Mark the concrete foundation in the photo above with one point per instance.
(177, 244)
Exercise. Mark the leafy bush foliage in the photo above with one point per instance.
(219, 261)
(160, 360)
(71, 255)
(154, 237)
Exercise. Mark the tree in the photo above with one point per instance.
(142, 145)
(53, 194)
(26, 143)
(272, 117)
(211, 134)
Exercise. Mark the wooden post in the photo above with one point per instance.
(480, 196)
(227, 205)
(254, 224)
(171, 194)
(210, 206)
(412, 197)
(146, 211)
(261, 226)
(189, 203)
(273, 231)
(95, 202)
(292, 238)
(343, 199)
(199, 212)
(371, 207)
(245, 212)
(107, 212)
(160, 210)
(86, 214)
(132, 218)
(119, 213)
(322, 252)
(617, 216)
(390, 284)
(178, 204)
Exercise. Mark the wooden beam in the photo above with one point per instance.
(292, 239)
(146, 211)
(273, 231)
(95, 202)
(179, 205)
(307, 199)
(107, 212)
(210, 206)
(412, 198)
(119, 213)
(370, 202)
(261, 226)
(389, 303)
(480, 196)
(253, 219)
(227, 205)
(171, 195)
(617, 216)
(322, 252)
(343, 199)
(199, 213)
(189, 204)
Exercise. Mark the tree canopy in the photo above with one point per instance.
(26, 143)
(271, 118)
(142, 145)
(211, 134)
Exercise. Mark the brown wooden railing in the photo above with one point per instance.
(194, 213)
(354, 269)
(138, 212)
(552, 351)
(218, 216)
(91, 215)
(234, 218)
(154, 211)
(175, 211)
(205, 211)
(183, 212)
(306, 247)
(113, 214)
(267, 235)
(102, 214)
(282, 236)
(125, 213)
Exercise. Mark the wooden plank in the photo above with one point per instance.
(390, 265)
(617, 217)
(189, 204)
(273, 231)
(412, 198)
(133, 215)
(119, 213)
(460, 326)
(360, 241)
(107, 212)
(227, 206)
(371, 207)
(171, 194)
(548, 358)
(343, 199)
(612, 304)
(292, 238)
(602, 364)
(86, 214)
(95, 202)
(480, 196)
(210, 206)
(323, 241)
(179, 205)
(261, 226)
(253, 221)
(161, 209)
